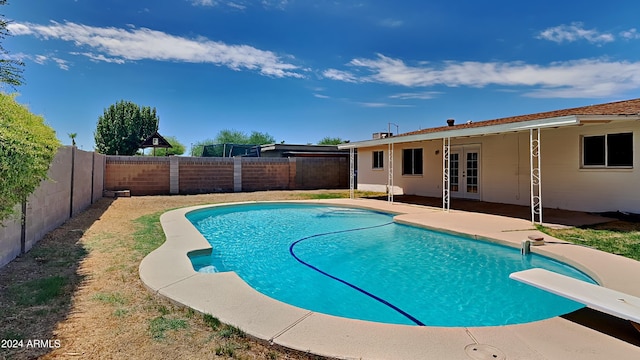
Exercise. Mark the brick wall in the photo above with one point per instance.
(155, 175)
(265, 174)
(205, 175)
(321, 173)
(140, 175)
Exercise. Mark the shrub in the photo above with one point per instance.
(27, 147)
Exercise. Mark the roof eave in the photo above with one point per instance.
(607, 118)
(470, 131)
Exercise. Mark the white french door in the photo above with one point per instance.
(464, 167)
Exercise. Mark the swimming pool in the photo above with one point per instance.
(359, 264)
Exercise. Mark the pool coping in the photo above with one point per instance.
(167, 271)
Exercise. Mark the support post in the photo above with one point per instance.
(352, 172)
(446, 169)
(390, 179)
(237, 174)
(536, 176)
(73, 170)
(174, 175)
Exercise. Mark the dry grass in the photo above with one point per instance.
(80, 286)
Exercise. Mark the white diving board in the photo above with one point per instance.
(596, 297)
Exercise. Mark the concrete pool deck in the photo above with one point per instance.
(167, 271)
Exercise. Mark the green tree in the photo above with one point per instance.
(123, 127)
(73, 136)
(258, 138)
(177, 148)
(27, 147)
(332, 141)
(10, 69)
(228, 136)
(238, 137)
(197, 147)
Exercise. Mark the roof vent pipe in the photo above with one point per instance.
(450, 122)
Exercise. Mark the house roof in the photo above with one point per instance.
(161, 142)
(628, 109)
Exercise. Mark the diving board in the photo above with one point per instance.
(596, 297)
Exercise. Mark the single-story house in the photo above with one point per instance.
(583, 159)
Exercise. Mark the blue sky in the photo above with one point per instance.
(304, 70)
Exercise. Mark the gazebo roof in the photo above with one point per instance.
(155, 141)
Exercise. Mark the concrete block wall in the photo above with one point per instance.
(54, 201)
(205, 175)
(99, 164)
(10, 237)
(187, 175)
(50, 205)
(321, 173)
(82, 195)
(141, 175)
(265, 174)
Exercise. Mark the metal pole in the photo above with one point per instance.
(352, 173)
(536, 175)
(446, 172)
(390, 189)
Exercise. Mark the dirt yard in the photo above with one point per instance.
(77, 293)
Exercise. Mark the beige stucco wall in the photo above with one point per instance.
(505, 169)
(568, 186)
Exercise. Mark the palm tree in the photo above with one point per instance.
(72, 136)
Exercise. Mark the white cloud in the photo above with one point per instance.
(100, 58)
(203, 2)
(19, 29)
(134, 44)
(320, 96)
(236, 5)
(280, 4)
(339, 75)
(381, 105)
(62, 64)
(43, 60)
(423, 95)
(630, 34)
(575, 32)
(40, 59)
(570, 79)
(241, 4)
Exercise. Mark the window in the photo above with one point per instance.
(412, 162)
(378, 159)
(610, 150)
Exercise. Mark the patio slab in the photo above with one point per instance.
(226, 296)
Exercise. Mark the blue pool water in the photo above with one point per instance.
(358, 264)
